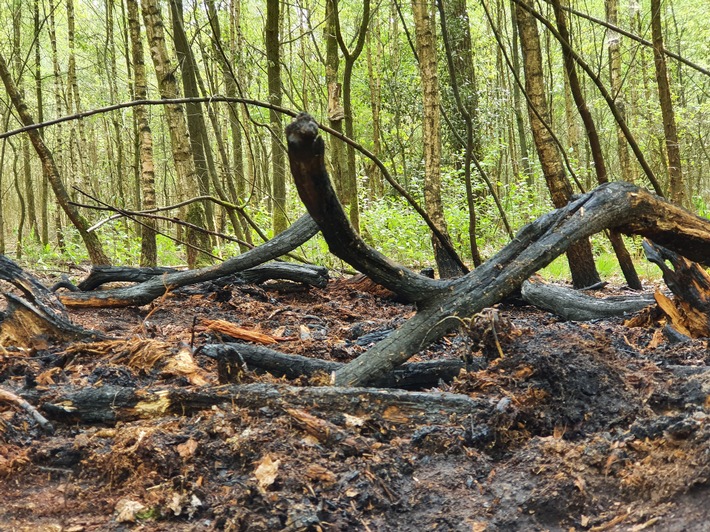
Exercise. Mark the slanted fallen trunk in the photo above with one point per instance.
(572, 305)
(141, 294)
(442, 304)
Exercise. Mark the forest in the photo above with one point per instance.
(323, 264)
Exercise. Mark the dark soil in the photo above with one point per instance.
(590, 426)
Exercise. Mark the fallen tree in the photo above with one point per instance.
(572, 305)
(444, 304)
(141, 294)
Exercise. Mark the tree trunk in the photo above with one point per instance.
(677, 186)
(457, 45)
(622, 254)
(519, 119)
(351, 186)
(195, 117)
(336, 112)
(29, 196)
(616, 80)
(179, 134)
(149, 253)
(51, 172)
(579, 256)
(431, 133)
(278, 158)
(44, 187)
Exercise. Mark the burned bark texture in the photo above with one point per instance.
(234, 358)
(444, 304)
(574, 306)
(111, 404)
(689, 313)
(142, 294)
(37, 317)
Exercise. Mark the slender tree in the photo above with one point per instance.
(278, 156)
(175, 117)
(579, 255)
(51, 172)
(670, 130)
(350, 188)
(431, 131)
(149, 253)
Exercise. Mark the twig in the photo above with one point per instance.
(10, 397)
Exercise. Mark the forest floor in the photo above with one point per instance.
(596, 426)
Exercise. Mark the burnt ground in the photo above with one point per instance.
(590, 426)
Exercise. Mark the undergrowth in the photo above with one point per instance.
(388, 224)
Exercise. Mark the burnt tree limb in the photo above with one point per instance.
(262, 359)
(310, 275)
(689, 312)
(36, 318)
(306, 151)
(443, 305)
(110, 404)
(141, 294)
(572, 305)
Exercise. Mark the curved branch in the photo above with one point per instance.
(306, 151)
(301, 231)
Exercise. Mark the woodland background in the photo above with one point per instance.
(436, 92)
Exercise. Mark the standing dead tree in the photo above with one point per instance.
(442, 305)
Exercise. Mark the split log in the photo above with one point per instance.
(412, 376)
(444, 305)
(574, 306)
(110, 404)
(41, 317)
(141, 294)
(689, 312)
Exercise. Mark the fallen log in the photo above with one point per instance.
(444, 305)
(309, 275)
(141, 294)
(572, 305)
(232, 356)
(110, 404)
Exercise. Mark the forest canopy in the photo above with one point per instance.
(440, 99)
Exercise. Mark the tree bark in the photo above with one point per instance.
(51, 172)
(175, 117)
(350, 182)
(675, 174)
(336, 111)
(278, 158)
(448, 265)
(572, 305)
(109, 404)
(579, 256)
(149, 250)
